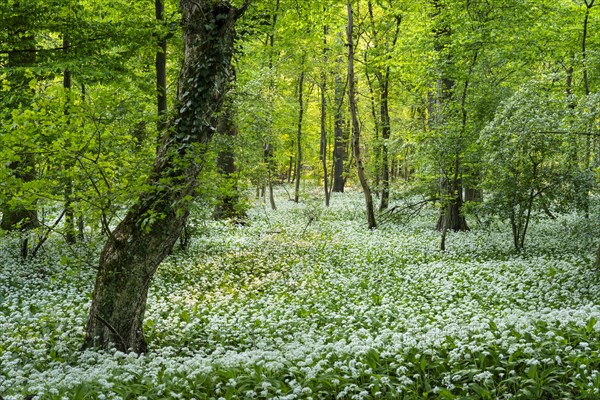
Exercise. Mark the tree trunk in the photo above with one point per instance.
(473, 194)
(161, 71)
(339, 144)
(268, 153)
(70, 232)
(385, 136)
(383, 77)
(299, 134)
(151, 227)
(228, 197)
(355, 125)
(588, 139)
(323, 152)
(290, 171)
(451, 217)
(376, 122)
(269, 159)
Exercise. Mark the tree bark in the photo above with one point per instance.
(339, 144)
(268, 147)
(161, 71)
(355, 125)
(151, 227)
(298, 175)
(323, 146)
(588, 139)
(70, 232)
(451, 217)
(385, 136)
(228, 197)
(269, 158)
(383, 77)
(376, 122)
(473, 194)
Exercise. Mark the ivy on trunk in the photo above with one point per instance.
(146, 235)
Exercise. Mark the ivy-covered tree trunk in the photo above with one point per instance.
(146, 235)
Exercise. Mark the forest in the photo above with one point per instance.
(299, 199)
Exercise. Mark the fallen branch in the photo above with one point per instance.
(47, 234)
(415, 208)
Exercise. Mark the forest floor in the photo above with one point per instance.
(305, 302)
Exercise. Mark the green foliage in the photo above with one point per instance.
(485, 95)
(523, 159)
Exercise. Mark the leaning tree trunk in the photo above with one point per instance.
(355, 125)
(140, 242)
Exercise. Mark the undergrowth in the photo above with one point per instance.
(306, 303)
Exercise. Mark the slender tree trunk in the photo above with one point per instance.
(70, 233)
(161, 71)
(339, 144)
(270, 160)
(290, 171)
(588, 139)
(376, 123)
(376, 118)
(268, 153)
(355, 125)
(383, 77)
(227, 206)
(385, 136)
(349, 150)
(589, 4)
(473, 194)
(299, 134)
(323, 153)
(80, 217)
(151, 227)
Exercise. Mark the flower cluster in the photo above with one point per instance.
(287, 308)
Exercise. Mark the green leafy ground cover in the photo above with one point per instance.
(280, 310)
